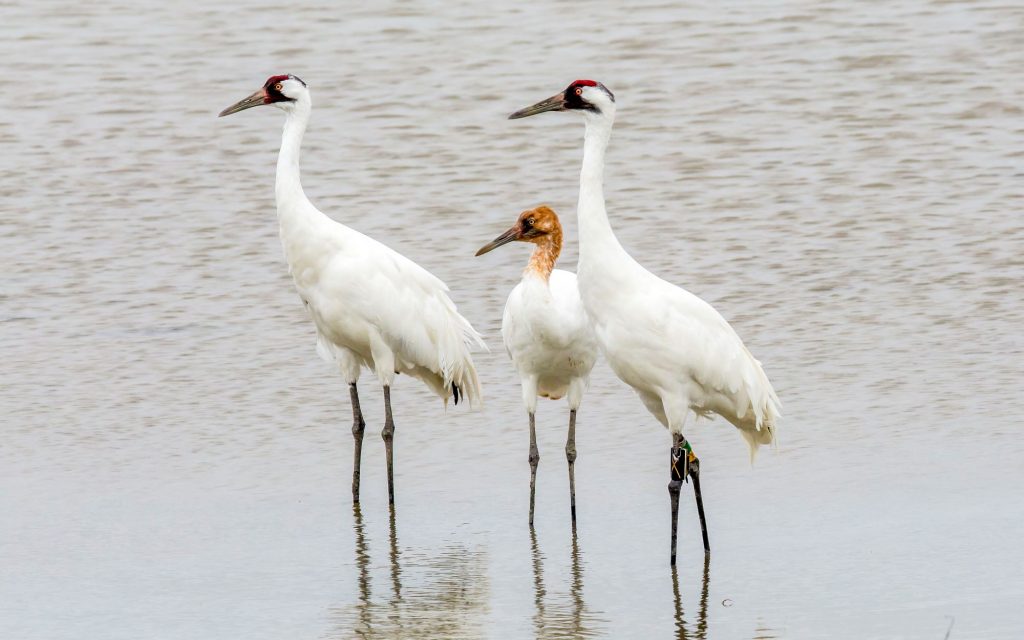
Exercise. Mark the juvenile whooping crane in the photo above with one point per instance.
(546, 332)
(673, 348)
(372, 306)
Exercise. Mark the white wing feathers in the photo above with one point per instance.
(734, 383)
(364, 294)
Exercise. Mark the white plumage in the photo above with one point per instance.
(673, 348)
(372, 306)
(548, 338)
(546, 332)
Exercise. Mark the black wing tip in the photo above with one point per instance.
(455, 392)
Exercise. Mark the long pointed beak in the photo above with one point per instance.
(255, 100)
(505, 238)
(554, 103)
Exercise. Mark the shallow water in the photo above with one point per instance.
(842, 182)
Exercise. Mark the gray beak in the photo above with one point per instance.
(554, 103)
(255, 100)
(505, 238)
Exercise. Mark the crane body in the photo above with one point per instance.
(675, 350)
(372, 306)
(546, 333)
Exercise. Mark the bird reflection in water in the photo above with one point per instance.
(700, 630)
(559, 620)
(431, 596)
(362, 625)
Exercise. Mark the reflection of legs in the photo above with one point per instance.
(570, 456)
(677, 471)
(396, 570)
(702, 615)
(538, 584)
(576, 590)
(534, 459)
(363, 563)
(358, 425)
(388, 433)
(680, 620)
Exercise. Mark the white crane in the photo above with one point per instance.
(372, 306)
(673, 348)
(546, 332)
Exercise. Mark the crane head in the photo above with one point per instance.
(532, 225)
(582, 96)
(280, 91)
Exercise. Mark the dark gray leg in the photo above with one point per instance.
(677, 471)
(388, 433)
(534, 459)
(358, 426)
(570, 456)
(694, 466)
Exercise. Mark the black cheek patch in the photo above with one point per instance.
(573, 100)
(273, 95)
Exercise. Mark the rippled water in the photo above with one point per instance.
(842, 181)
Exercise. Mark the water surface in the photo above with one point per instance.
(842, 181)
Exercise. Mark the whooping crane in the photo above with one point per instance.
(546, 332)
(371, 305)
(673, 348)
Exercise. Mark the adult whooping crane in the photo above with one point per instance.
(673, 348)
(372, 306)
(546, 332)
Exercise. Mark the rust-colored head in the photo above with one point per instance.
(539, 226)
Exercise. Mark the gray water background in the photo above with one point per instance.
(842, 180)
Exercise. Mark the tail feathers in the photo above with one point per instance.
(763, 435)
(465, 384)
(765, 406)
(456, 362)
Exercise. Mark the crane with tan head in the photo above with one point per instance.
(546, 332)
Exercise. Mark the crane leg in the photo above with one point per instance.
(570, 456)
(534, 460)
(693, 465)
(388, 433)
(358, 426)
(677, 471)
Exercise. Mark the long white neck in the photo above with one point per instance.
(597, 240)
(288, 187)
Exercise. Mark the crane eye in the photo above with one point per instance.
(530, 221)
(277, 87)
(579, 91)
